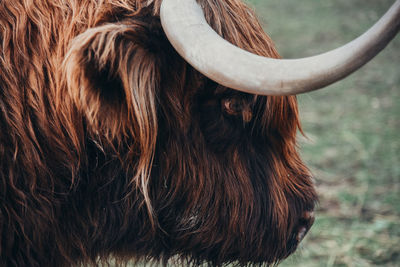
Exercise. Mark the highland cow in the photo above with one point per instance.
(114, 147)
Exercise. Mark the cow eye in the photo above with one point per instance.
(231, 106)
(237, 107)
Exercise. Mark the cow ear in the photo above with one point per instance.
(112, 77)
(111, 72)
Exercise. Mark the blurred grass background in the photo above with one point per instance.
(353, 145)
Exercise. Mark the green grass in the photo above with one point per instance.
(353, 130)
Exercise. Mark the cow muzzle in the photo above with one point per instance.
(300, 230)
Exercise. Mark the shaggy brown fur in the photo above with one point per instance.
(113, 147)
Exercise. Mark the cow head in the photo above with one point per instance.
(218, 168)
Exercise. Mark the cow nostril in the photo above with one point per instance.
(301, 233)
(305, 223)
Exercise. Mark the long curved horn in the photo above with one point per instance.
(186, 28)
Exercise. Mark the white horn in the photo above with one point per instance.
(186, 28)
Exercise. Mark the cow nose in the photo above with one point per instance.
(305, 223)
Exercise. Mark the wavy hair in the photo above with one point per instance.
(113, 147)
